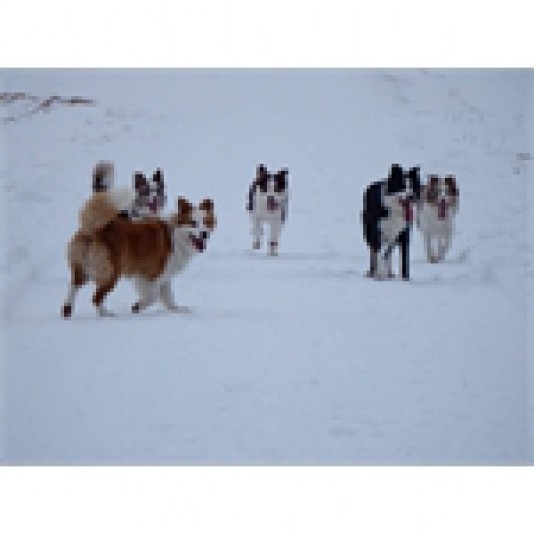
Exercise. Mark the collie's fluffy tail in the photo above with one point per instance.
(103, 176)
(103, 207)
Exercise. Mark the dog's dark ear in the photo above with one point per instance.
(184, 206)
(206, 204)
(432, 188)
(414, 177)
(450, 181)
(139, 181)
(158, 176)
(209, 219)
(261, 171)
(262, 175)
(396, 175)
(281, 179)
(396, 170)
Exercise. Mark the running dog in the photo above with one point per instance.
(108, 247)
(267, 204)
(387, 218)
(436, 213)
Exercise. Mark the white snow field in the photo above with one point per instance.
(290, 360)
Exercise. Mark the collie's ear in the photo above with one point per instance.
(139, 180)
(396, 170)
(432, 188)
(414, 172)
(184, 206)
(158, 176)
(281, 179)
(450, 180)
(207, 204)
(261, 171)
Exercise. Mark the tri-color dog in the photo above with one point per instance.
(150, 197)
(267, 204)
(436, 213)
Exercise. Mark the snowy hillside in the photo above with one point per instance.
(297, 359)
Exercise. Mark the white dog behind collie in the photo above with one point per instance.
(436, 212)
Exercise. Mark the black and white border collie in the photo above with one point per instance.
(146, 199)
(267, 204)
(150, 197)
(387, 217)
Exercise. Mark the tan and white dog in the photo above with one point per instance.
(108, 246)
(436, 212)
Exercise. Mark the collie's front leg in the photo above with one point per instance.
(274, 237)
(168, 299)
(148, 294)
(445, 244)
(257, 232)
(383, 265)
(430, 256)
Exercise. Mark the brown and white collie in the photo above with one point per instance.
(436, 212)
(109, 246)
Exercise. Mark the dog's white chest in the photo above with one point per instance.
(392, 225)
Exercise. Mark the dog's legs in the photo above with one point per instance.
(103, 288)
(441, 248)
(430, 256)
(148, 294)
(373, 259)
(274, 236)
(381, 267)
(78, 279)
(446, 243)
(168, 299)
(383, 262)
(389, 263)
(257, 232)
(404, 243)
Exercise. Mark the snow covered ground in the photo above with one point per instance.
(297, 359)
